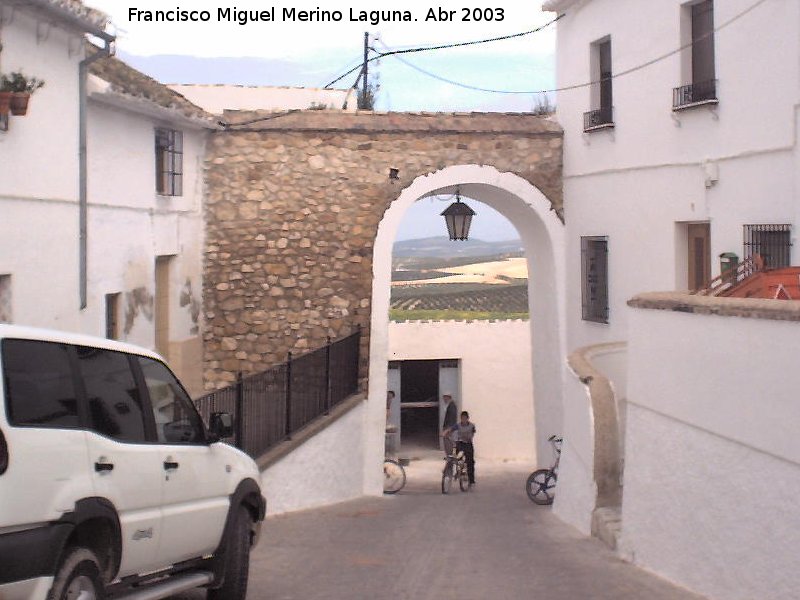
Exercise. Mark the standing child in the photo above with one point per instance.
(464, 431)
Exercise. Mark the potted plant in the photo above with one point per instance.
(21, 88)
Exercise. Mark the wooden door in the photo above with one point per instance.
(699, 255)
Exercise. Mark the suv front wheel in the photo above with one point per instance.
(237, 560)
(78, 577)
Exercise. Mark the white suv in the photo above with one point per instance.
(110, 484)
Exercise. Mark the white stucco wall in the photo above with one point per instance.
(324, 470)
(634, 183)
(39, 182)
(712, 451)
(577, 495)
(496, 384)
(129, 225)
(124, 207)
(218, 98)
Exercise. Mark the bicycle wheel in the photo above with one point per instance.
(463, 478)
(394, 476)
(447, 477)
(541, 486)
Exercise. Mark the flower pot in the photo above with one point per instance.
(5, 103)
(19, 103)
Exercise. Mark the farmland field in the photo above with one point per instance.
(494, 287)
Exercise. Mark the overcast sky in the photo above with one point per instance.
(311, 54)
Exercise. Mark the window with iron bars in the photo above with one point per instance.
(169, 162)
(772, 242)
(594, 275)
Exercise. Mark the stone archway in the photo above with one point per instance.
(296, 202)
(542, 235)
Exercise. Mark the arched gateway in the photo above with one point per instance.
(302, 213)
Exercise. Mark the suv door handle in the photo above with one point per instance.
(169, 465)
(101, 466)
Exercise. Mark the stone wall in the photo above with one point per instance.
(293, 205)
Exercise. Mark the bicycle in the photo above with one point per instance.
(455, 468)
(394, 475)
(541, 482)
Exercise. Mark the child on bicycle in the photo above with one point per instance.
(463, 432)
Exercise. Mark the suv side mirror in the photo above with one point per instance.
(221, 425)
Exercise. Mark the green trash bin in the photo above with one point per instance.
(728, 263)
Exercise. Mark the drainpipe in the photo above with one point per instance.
(83, 207)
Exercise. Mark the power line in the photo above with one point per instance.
(639, 67)
(446, 46)
(579, 85)
(663, 56)
(351, 69)
(457, 83)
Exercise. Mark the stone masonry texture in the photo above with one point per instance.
(293, 203)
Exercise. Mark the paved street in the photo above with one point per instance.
(492, 543)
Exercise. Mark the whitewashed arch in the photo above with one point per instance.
(542, 235)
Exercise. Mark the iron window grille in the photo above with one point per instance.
(694, 93)
(772, 242)
(594, 274)
(169, 162)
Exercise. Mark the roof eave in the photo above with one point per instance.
(71, 19)
(148, 108)
(557, 5)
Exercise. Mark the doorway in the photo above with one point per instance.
(419, 405)
(699, 252)
(417, 412)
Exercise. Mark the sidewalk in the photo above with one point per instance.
(492, 543)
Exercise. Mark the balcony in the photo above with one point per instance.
(601, 118)
(694, 94)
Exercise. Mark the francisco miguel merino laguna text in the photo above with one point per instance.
(243, 17)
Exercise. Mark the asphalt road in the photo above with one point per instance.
(491, 543)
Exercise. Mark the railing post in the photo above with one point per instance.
(239, 411)
(328, 376)
(357, 360)
(289, 397)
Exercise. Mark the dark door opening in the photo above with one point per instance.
(419, 406)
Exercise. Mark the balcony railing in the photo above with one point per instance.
(704, 92)
(595, 119)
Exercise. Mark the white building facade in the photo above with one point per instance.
(674, 164)
(138, 277)
(680, 150)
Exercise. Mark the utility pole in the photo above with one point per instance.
(366, 69)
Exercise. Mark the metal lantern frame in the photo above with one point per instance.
(458, 217)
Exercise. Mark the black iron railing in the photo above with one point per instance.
(598, 118)
(693, 93)
(270, 406)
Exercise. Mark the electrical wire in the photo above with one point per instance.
(622, 73)
(358, 65)
(634, 69)
(457, 83)
(446, 46)
(662, 56)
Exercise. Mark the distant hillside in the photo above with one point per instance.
(442, 247)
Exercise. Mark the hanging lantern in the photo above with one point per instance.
(458, 217)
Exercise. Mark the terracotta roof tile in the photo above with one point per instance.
(127, 80)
